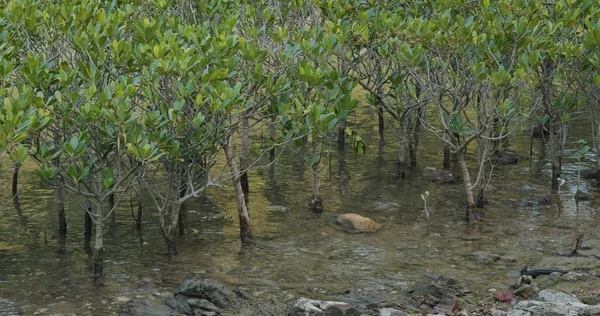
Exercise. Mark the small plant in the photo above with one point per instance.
(425, 196)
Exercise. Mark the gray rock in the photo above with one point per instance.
(209, 290)
(537, 308)
(179, 302)
(581, 195)
(575, 276)
(555, 297)
(145, 308)
(442, 176)
(506, 158)
(526, 291)
(546, 281)
(308, 307)
(589, 174)
(391, 312)
(204, 305)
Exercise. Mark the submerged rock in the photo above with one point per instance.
(442, 176)
(589, 174)
(506, 158)
(581, 195)
(354, 223)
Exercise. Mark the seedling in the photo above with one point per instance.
(424, 196)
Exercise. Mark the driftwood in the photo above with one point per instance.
(577, 245)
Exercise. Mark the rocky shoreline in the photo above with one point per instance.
(439, 296)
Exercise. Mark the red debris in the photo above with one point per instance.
(504, 296)
(455, 307)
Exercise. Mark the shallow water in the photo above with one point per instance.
(299, 254)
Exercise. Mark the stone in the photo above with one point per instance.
(548, 280)
(485, 257)
(581, 195)
(145, 308)
(538, 308)
(209, 290)
(575, 276)
(589, 174)
(442, 176)
(545, 199)
(506, 158)
(355, 223)
(179, 303)
(308, 307)
(391, 312)
(555, 297)
(526, 291)
(201, 304)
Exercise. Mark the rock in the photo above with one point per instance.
(355, 223)
(277, 208)
(207, 289)
(308, 307)
(204, 305)
(442, 176)
(575, 276)
(526, 291)
(589, 174)
(491, 258)
(145, 308)
(555, 297)
(546, 281)
(391, 312)
(545, 199)
(581, 195)
(179, 303)
(506, 158)
(538, 308)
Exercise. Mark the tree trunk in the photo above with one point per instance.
(181, 221)
(87, 229)
(380, 121)
(316, 202)
(401, 148)
(446, 154)
(244, 158)
(471, 215)
(99, 241)
(60, 199)
(341, 140)
(140, 208)
(414, 135)
(245, 227)
(15, 182)
(111, 204)
(598, 156)
(554, 154)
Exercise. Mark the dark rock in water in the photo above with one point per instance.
(545, 199)
(209, 290)
(305, 306)
(354, 223)
(179, 303)
(203, 298)
(442, 176)
(589, 174)
(506, 158)
(146, 308)
(581, 195)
